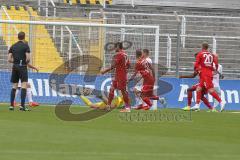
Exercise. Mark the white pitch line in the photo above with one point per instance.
(235, 112)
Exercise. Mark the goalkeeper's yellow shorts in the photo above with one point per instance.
(100, 105)
(117, 102)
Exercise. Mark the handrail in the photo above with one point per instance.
(79, 24)
(132, 3)
(46, 3)
(54, 9)
(9, 18)
(54, 15)
(74, 39)
(175, 35)
(140, 14)
(14, 27)
(168, 15)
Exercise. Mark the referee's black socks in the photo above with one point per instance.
(23, 96)
(13, 92)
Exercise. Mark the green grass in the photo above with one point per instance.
(39, 135)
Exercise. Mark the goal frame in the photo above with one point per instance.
(80, 24)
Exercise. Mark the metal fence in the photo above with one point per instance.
(219, 31)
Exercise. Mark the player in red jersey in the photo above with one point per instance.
(205, 62)
(121, 64)
(138, 86)
(145, 70)
(194, 88)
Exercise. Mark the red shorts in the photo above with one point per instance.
(194, 88)
(120, 85)
(147, 90)
(206, 82)
(148, 85)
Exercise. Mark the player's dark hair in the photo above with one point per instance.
(21, 35)
(205, 45)
(146, 51)
(195, 55)
(138, 53)
(119, 45)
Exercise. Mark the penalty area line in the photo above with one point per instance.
(234, 112)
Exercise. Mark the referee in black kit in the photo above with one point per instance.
(19, 55)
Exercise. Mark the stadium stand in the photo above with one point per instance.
(198, 29)
(3, 55)
(232, 4)
(202, 24)
(43, 44)
(80, 37)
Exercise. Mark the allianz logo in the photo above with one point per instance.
(42, 87)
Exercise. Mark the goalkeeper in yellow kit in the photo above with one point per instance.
(117, 102)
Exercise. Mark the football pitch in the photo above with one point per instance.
(39, 135)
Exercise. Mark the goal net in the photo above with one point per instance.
(67, 52)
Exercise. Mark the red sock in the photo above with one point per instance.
(189, 97)
(205, 101)
(199, 96)
(125, 98)
(216, 96)
(110, 96)
(147, 101)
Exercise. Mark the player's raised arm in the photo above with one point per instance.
(108, 69)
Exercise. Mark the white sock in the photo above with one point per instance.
(215, 104)
(138, 101)
(196, 106)
(143, 103)
(29, 95)
(16, 94)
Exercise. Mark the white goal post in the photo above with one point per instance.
(141, 35)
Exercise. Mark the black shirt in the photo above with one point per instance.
(19, 51)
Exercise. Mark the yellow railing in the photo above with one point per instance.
(92, 2)
(44, 52)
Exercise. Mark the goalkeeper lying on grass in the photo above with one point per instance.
(117, 102)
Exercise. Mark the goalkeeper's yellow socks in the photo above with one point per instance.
(86, 100)
(117, 102)
(121, 101)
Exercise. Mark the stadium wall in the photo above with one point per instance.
(48, 89)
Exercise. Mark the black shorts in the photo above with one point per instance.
(19, 73)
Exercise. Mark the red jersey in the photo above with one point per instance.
(121, 65)
(143, 67)
(205, 62)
